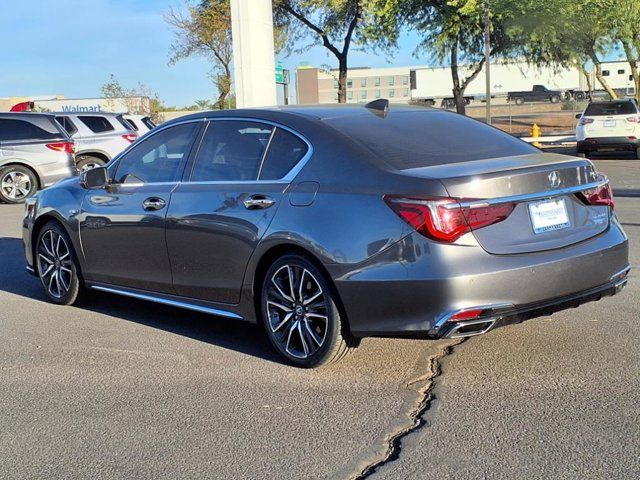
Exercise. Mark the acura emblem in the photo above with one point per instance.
(554, 179)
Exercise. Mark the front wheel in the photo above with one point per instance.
(57, 265)
(17, 183)
(519, 101)
(300, 313)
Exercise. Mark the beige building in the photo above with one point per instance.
(363, 85)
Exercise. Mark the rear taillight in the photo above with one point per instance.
(130, 137)
(585, 121)
(443, 219)
(67, 147)
(633, 119)
(602, 195)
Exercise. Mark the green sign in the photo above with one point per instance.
(279, 72)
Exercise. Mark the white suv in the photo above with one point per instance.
(608, 126)
(99, 136)
(140, 123)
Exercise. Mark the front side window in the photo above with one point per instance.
(96, 124)
(285, 151)
(159, 158)
(231, 151)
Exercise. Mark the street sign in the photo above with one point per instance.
(279, 73)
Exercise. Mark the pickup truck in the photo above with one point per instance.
(540, 93)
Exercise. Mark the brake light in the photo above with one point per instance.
(67, 147)
(585, 121)
(130, 137)
(443, 219)
(602, 195)
(633, 119)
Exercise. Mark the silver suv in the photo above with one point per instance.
(99, 136)
(35, 152)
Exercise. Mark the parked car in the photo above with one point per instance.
(99, 136)
(140, 123)
(34, 153)
(609, 126)
(329, 224)
(539, 93)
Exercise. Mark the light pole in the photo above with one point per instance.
(487, 58)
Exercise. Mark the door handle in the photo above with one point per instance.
(255, 202)
(154, 203)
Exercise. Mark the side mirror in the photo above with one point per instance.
(97, 177)
(578, 115)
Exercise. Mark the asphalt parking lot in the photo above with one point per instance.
(119, 388)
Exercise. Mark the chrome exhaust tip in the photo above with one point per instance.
(471, 328)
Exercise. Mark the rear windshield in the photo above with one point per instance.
(421, 139)
(96, 124)
(12, 129)
(610, 108)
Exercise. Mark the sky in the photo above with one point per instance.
(70, 47)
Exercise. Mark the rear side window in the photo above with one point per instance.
(610, 108)
(231, 151)
(67, 124)
(420, 139)
(285, 151)
(97, 124)
(16, 129)
(131, 124)
(149, 123)
(125, 123)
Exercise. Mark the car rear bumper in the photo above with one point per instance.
(409, 288)
(593, 144)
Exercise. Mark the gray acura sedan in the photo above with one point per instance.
(328, 224)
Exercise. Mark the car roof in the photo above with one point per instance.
(23, 114)
(317, 113)
(92, 114)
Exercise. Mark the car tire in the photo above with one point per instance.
(87, 162)
(56, 264)
(301, 314)
(17, 183)
(555, 99)
(519, 101)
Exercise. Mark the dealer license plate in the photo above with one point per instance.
(549, 215)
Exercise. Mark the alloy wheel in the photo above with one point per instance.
(16, 185)
(55, 264)
(297, 311)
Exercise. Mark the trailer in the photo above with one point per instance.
(434, 86)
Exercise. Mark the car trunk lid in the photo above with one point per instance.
(547, 212)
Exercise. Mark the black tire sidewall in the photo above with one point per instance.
(19, 169)
(76, 282)
(334, 327)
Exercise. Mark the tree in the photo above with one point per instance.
(205, 30)
(566, 33)
(203, 104)
(139, 100)
(334, 24)
(453, 33)
(627, 33)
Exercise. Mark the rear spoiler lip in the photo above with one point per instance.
(529, 196)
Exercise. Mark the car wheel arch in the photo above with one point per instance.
(92, 153)
(41, 221)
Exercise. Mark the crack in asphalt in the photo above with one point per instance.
(415, 415)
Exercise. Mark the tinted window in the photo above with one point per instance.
(149, 123)
(285, 151)
(67, 124)
(231, 151)
(159, 158)
(131, 124)
(125, 123)
(419, 139)
(15, 129)
(609, 108)
(97, 124)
